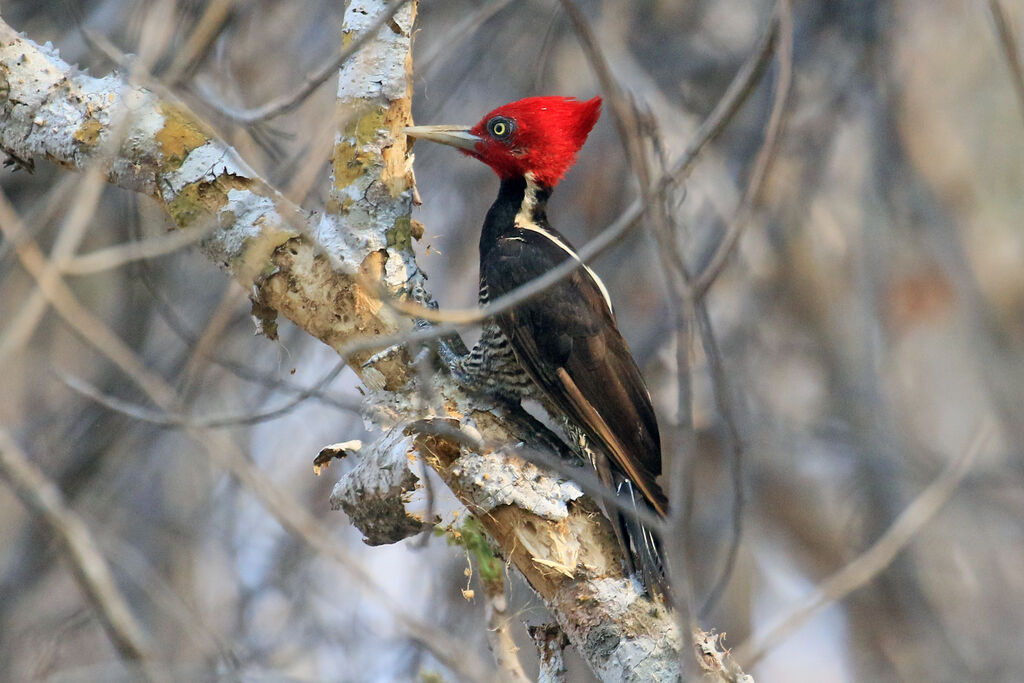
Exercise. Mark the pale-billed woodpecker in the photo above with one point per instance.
(562, 347)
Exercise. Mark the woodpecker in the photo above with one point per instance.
(562, 347)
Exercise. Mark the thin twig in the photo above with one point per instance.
(626, 121)
(724, 404)
(240, 370)
(91, 572)
(623, 115)
(177, 419)
(449, 44)
(83, 204)
(627, 125)
(872, 562)
(202, 36)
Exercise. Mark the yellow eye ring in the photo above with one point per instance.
(499, 129)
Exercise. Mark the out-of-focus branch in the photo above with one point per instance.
(875, 559)
(627, 125)
(286, 103)
(88, 566)
(176, 419)
(688, 296)
(119, 255)
(1008, 43)
(499, 634)
(703, 280)
(701, 284)
(210, 24)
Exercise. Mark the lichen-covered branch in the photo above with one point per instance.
(325, 274)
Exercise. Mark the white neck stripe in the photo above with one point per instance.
(524, 221)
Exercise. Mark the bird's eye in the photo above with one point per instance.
(499, 127)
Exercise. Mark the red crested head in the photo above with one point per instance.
(538, 135)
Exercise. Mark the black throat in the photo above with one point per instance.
(517, 195)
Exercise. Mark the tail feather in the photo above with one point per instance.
(641, 547)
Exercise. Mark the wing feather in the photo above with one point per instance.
(569, 343)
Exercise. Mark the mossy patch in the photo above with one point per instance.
(88, 133)
(204, 198)
(399, 236)
(179, 136)
(349, 164)
(352, 159)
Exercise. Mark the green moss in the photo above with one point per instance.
(399, 236)
(472, 537)
(349, 164)
(186, 207)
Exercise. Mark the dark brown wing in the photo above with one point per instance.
(567, 340)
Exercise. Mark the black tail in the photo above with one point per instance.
(641, 547)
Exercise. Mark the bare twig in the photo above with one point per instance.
(627, 125)
(83, 205)
(210, 24)
(875, 559)
(623, 114)
(449, 44)
(1008, 42)
(241, 370)
(703, 282)
(303, 269)
(89, 568)
(723, 402)
(177, 419)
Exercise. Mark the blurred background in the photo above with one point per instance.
(871, 317)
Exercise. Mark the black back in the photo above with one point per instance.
(567, 339)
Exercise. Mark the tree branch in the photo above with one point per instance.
(90, 570)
